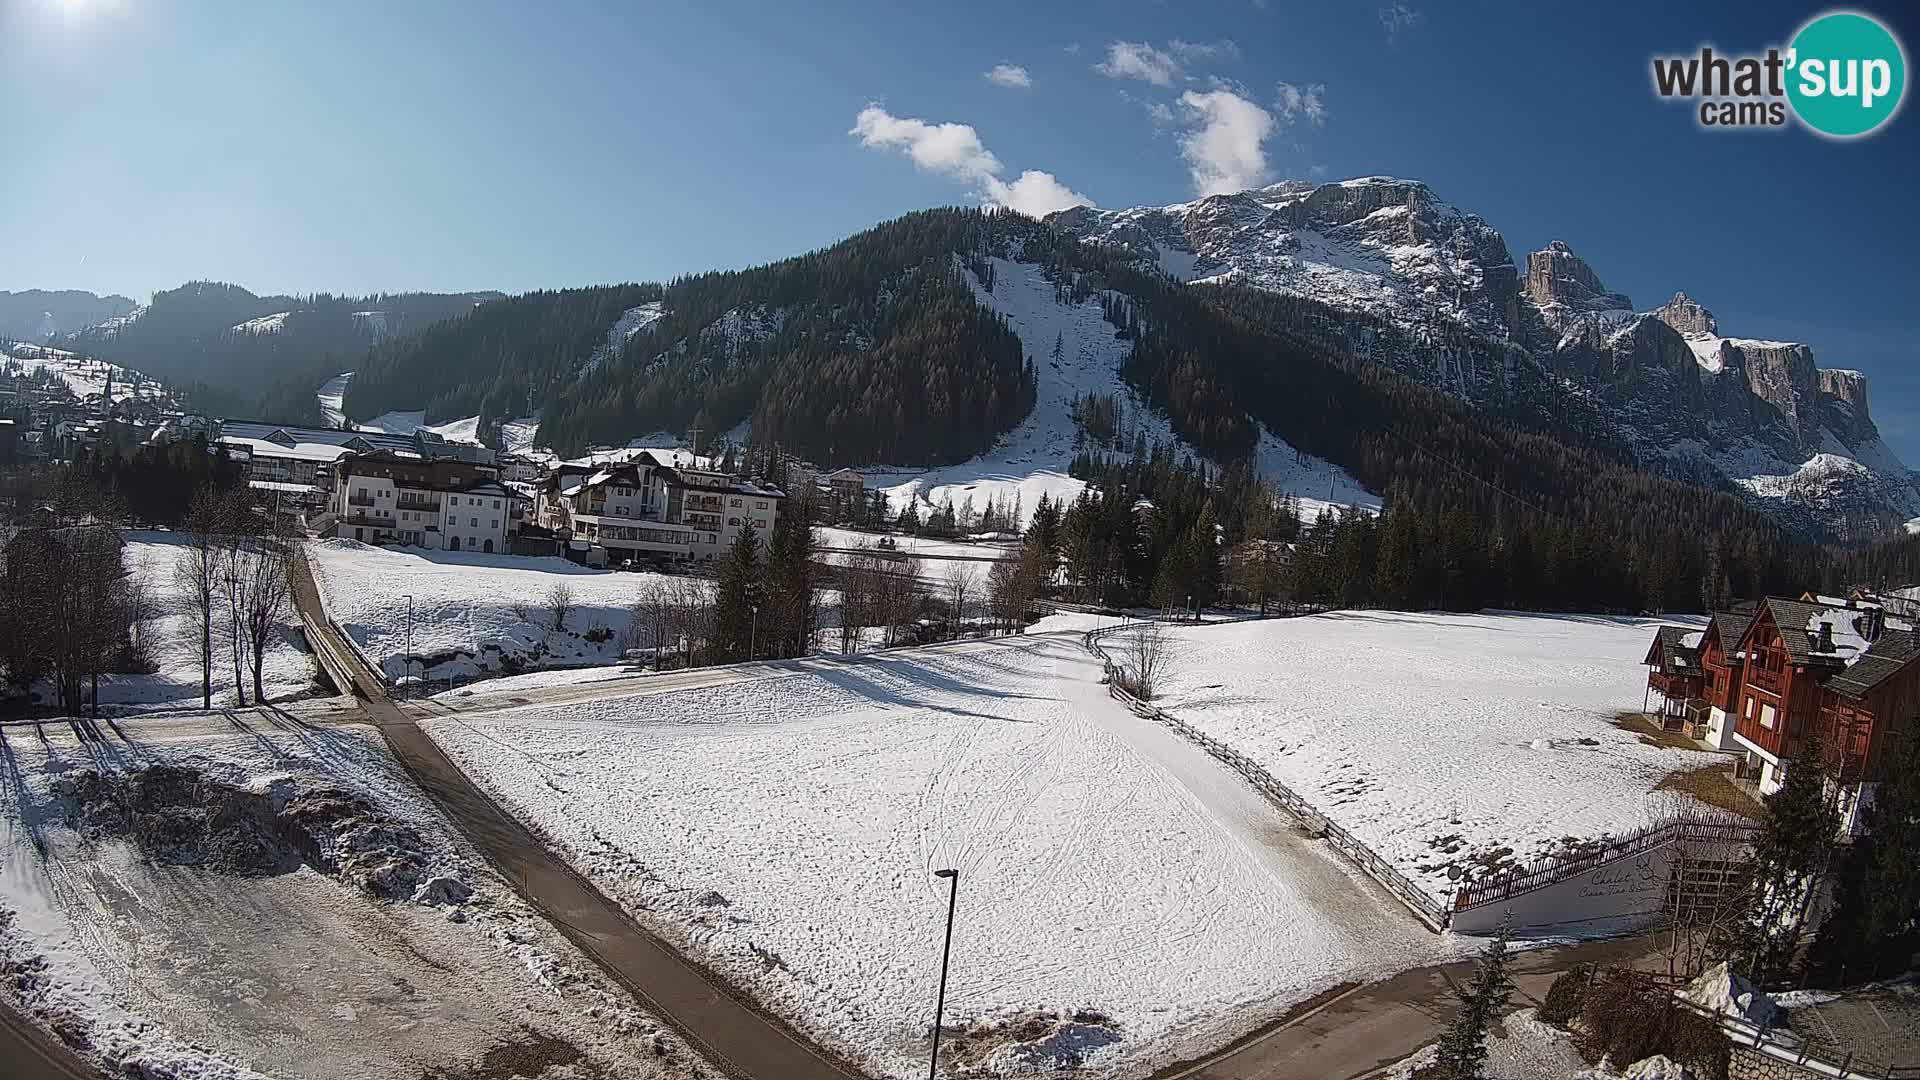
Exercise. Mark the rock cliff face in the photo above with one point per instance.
(1686, 316)
(1562, 286)
(1759, 416)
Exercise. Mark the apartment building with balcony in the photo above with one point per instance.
(646, 510)
(383, 497)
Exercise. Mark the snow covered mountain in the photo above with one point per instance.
(1448, 306)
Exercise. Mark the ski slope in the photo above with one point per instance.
(1032, 459)
(785, 829)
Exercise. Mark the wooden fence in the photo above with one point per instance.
(1429, 911)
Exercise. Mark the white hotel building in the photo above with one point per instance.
(646, 510)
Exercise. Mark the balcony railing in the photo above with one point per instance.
(1770, 681)
(432, 505)
(355, 500)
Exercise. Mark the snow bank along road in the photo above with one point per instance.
(1125, 900)
(724, 1029)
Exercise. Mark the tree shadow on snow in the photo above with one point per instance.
(851, 681)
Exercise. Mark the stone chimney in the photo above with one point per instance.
(1823, 640)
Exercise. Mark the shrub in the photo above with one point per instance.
(1627, 1017)
(1565, 995)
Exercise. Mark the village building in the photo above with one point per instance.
(1839, 670)
(644, 510)
(384, 497)
(298, 462)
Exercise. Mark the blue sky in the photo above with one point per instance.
(361, 147)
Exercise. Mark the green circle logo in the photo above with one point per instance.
(1846, 74)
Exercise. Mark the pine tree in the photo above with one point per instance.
(1464, 1048)
(1875, 925)
(1790, 858)
(737, 596)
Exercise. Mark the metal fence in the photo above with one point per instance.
(1540, 875)
(1423, 906)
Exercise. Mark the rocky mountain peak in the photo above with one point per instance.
(1685, 314)
(1562, 285)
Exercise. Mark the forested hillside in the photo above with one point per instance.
(872, 350)
(238, 354)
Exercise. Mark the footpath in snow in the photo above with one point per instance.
(1123, 901)
(1446, 743)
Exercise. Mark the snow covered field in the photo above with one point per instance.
(1031, 460)
(472, 613)
(1437, 740)
(1119, 892)
(172, 641)
(218, 897)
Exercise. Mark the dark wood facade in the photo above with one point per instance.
(1801, 682)
(1722, 665)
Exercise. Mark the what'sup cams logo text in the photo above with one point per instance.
(1843, 75)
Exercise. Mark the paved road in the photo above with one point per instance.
(27, 1052)
(721, 1024)
(1361, 1032)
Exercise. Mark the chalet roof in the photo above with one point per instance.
(1885, 658)
(1675, 651)
(1791, 617)
(1731, 626)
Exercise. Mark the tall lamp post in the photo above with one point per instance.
(753, 635)
(946, 954)
(410, 642)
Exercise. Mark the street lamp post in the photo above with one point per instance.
(946, 954)
(410, 642)
(753, 635)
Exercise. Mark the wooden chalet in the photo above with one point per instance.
(1837, 669)
(1674, 672)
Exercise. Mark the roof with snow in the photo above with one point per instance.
(1886, 657)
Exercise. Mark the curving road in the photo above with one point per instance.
(722, 1024)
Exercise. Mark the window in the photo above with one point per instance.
(733, 523)
(1750, 701)
(736, 502)
(473, 523)
(496, 502)
(760, 504)
(1766, 717)
(496, 523)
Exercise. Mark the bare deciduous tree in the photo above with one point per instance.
(1148, 661)
(560, 600)
(269, 596)
(196, 572)
(961, 580)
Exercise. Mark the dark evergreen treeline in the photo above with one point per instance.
(186, 338)
(506, 359)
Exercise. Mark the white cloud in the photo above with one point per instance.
(1035, 194)
(1160, 113)
(1189, 51)
(1302, 102)
(1011, 76)
(955, 151)
(950, 149)
(1138, 60)
(1226, 151)
(1397, 17)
